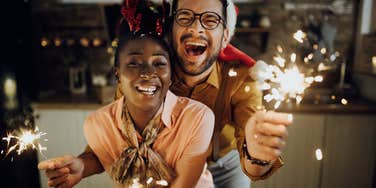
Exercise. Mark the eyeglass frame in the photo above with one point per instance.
(221, 20)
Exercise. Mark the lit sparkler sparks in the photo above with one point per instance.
(299, 36)
(136, 183)
(284, 81)
(318, 154)
(25, 139)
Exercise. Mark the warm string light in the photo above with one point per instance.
(83, 41)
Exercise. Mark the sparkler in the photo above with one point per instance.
(284, 80)
(24, 140)
(136, 183)
(318, 154)
(299, 36)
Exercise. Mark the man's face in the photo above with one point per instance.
(197, 48)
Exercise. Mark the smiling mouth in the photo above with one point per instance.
(195, 48)
(147, 90)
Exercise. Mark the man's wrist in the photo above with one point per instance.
(253, 160)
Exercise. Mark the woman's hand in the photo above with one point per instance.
(63, 172)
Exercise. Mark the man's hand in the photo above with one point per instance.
(63, 172)
(266, 134)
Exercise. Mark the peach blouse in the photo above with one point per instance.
(183, 143)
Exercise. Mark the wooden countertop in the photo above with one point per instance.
(351, 108)
(66, 101)
(358, 106)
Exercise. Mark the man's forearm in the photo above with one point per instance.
(91, 163)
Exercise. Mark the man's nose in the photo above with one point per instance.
(196, 26)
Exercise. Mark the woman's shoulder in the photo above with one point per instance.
(106, 113)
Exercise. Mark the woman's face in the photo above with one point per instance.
(144, 73)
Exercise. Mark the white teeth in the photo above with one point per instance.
(147, 89)
(195, 44)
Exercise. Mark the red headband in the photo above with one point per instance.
(132, 13)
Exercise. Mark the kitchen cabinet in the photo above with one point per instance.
(351, 151)
(348, 145)
(347, 142)
(64, 128)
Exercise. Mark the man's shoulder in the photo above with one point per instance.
(234, 63)
(237, 72)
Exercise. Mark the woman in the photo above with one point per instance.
(149, 137)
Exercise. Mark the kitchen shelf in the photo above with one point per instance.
(262, 32)
(252, 30)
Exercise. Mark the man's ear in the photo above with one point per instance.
(226, 38)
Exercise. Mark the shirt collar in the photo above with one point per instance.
(168, 107)
(213, 79)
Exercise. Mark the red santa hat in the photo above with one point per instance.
(231, 53)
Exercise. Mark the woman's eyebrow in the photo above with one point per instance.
(160, 53)
(134, 53)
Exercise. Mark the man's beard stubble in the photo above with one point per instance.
(208, 62)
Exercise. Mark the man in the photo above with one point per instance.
(200, 31)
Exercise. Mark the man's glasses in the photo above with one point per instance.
(208, 20)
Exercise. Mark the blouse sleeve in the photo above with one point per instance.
(93, 132)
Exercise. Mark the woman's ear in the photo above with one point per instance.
(116, 72)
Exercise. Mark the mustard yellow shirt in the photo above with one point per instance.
(244, 98)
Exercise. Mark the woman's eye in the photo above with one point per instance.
(160, 64)
(132, 64)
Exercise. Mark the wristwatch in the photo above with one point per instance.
(252, 159)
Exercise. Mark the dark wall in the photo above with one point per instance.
(17, 61)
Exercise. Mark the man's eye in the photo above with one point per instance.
(184, 19)
(211, 22)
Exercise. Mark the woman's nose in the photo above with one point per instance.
(147, 72)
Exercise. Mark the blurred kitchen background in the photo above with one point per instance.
(56, 68)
